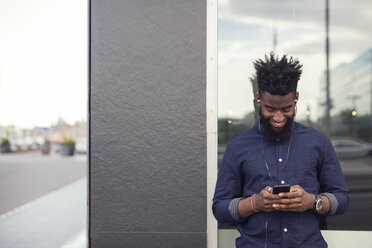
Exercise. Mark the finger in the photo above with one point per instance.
(269, 189)
(269, 208)
(268, 202)
(289, 201)
(295, 188)
(295, 207)
(285, 201)
(291, 207)
(267, 195)
(293, 194)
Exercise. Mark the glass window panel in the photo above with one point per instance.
(251, 28)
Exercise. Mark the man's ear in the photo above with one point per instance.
(258, 98)
(296, 97)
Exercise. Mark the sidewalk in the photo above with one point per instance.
(57, 219)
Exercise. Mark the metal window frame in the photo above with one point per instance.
(211, 125)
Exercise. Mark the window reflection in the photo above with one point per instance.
(249, 29)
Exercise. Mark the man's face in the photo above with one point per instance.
(277, 113)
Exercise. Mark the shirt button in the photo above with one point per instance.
(282, 182)
(285, 229)
(280, 160)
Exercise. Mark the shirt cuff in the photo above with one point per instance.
(233, 208)
(332, 201)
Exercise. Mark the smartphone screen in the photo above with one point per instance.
(281, 188)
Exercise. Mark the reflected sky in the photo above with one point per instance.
(43, 61)
(246, 31)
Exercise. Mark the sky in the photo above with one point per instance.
(43, 62)
(43, 47)
(245, 33)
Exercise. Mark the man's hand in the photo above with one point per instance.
(297, 200)
(260, 202)
(265, 199)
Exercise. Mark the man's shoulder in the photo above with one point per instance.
(310, 133)
(246, 140)
(246, 136)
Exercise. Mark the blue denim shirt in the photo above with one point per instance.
(311, 160)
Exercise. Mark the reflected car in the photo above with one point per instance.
(81, 146)
(221, 152)
(350, 148)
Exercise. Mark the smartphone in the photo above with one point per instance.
(281, 188)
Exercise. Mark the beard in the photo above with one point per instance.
(276, 136)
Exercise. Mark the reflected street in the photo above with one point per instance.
(43, 200)
(358, 174)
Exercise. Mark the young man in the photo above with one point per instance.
(279, 151)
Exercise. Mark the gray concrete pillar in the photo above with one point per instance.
(147, 113)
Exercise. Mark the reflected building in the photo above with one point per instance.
(351, 98)
(229, 128)
(31, 138)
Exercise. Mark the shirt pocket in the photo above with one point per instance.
(306, 160)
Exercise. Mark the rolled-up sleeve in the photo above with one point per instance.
(233, 208)
(228, 189)
(332, 180)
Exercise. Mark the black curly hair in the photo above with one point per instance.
(277, 76)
